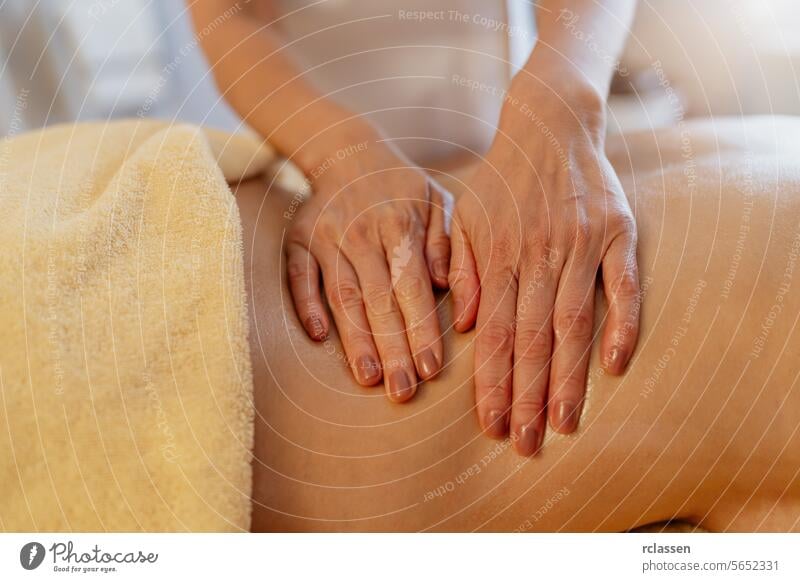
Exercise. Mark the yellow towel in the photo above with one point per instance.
(125, 381)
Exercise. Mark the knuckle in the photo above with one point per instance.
(625, 285)
(497, 337)
(410, 287)
(533, 345)
(624, 222)
(530, 403)
(355, 343)
(459, 275)
(494, 392)
(296, 271)
(396, 358)
(537, 243)
(328, 230)
(571, 385)
(344, 295)
(357, 234)
(573, 323)
(398, 222)
(503, 250)
(379, 299)
(439, 244)
(501, 282)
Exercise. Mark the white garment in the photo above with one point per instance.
(414, 77)
(430, 73)
(101, 59)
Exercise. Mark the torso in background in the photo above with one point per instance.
(430, 73)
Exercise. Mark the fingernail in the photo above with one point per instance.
(617, 358)
(495, 424)
(567, 417)
(458, 310)
(427, 364)
(368, 370)
(400, 387)
(528, 439)
(440, 268)
(314, 328)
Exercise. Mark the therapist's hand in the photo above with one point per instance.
(374, 229)
(544, 211)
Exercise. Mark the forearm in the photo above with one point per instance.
(584, 36)
(566, 80)
(267, 90)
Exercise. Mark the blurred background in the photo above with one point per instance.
(65, 60)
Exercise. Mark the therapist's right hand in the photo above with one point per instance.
(374, 232)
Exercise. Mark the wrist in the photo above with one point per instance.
(336, 133)
(585, 68)
(555, 101)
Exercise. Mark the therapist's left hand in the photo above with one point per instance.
(543, 212)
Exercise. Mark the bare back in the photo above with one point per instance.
(703, 426)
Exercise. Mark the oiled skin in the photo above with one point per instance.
(703, 427)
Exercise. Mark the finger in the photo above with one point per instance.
(463, 280)
(414, 294)
(437, 243)
(572, 327)
(621, 286)
(494, 349)
(303, 273)
(386, 321)
(533, 347)
(344, 296)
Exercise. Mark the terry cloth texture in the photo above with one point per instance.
(125, 380)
